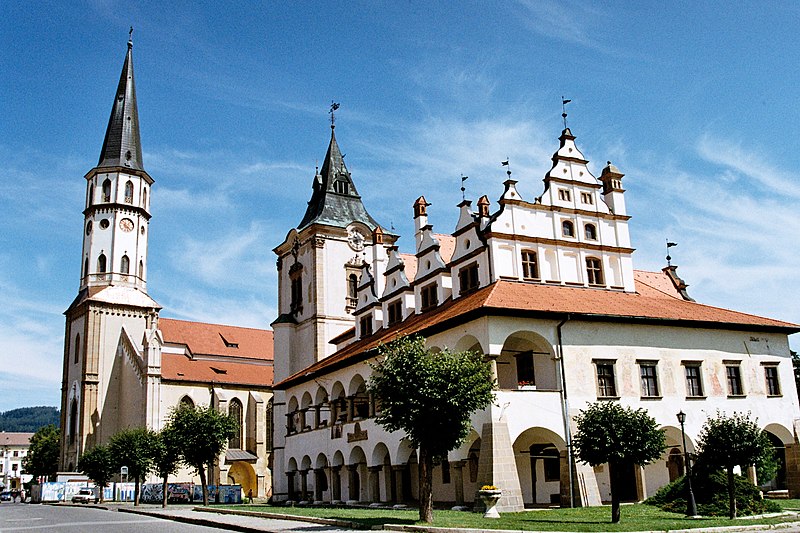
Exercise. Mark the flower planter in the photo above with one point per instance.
(490, 499)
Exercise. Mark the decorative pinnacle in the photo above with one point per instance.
(334, 107)
(564, 110)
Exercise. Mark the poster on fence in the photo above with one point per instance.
(227, 493)
(176, 493)
(122, 492)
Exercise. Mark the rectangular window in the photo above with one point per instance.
(552, 468)
(734, 375)
(395, 312)
(564, 195)
(468, 278)
(694, 381)
(530, 269)
(594, 271)
(649, 379)
(366, 326)
(773, 383)
(16, 453)
(429, 296)
(525, 373)
(606, 385)
(586, 198)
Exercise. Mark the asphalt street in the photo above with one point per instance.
(28, 517)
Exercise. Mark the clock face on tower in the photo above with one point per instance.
(126, 225)
(356, 240)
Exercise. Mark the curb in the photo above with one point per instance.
(297, 518)
(717, 529)
(192, 520)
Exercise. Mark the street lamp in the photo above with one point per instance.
(691, 507)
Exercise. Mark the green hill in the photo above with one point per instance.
(28, 419)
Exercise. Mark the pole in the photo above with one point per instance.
(691, 507)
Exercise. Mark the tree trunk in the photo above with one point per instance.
(136, 491)
(101, 492)
(425, 485)
(614, 471)
(731, 494)
(164, 492)
(204, 483)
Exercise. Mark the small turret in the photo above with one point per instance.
(611, 178)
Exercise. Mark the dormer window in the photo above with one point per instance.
(429, 296)
(594, 271)
(530, 268)
(586, 198)
(468, 278)
(395, 312)
(352, 290)
(567, 228)
(590, 231)
(564, 195)
(340, 187)
(366, 326)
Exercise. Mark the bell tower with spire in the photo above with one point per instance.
(112, 361)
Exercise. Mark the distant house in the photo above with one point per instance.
(13, 447)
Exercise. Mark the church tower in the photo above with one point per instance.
(111, 352)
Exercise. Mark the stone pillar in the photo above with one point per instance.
(493, 366)
(371, 409)
(290, 479)
(387, 482)
(319, 477)
(457, 468)
(333, 411)
(375, 483)
(304, 485)
(317, 409)
(353, 485)
(497, 466)
(350, 408)
(751, 475)
(399, 494)
(641, 482)
(336, 483)
(793, 469)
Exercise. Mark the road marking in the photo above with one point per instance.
(22, 519)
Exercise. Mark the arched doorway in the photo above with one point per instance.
(242, 473)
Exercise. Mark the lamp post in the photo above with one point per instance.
(691, 507)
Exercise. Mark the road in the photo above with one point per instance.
(28, 517)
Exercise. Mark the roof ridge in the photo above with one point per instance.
(212, 324)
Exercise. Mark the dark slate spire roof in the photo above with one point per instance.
(335, 200)
(122, 147)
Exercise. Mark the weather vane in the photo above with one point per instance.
(670, 245)
(463, 189)
(506, 164)
(130, 34)
(564, 110)
(334, 107)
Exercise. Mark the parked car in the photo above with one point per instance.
(85, 495)
(5, 496)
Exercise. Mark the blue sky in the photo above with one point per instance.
(695, 102)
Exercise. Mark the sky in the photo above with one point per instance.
(695, 102)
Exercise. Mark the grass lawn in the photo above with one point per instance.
(634, 518)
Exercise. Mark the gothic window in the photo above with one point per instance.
(73, 420)
(590, 231)
(530, 268)
(141, 269)
(567, 228)
(649, 377)
(85, 267)
(340, 186)
(90, 194)
(468, 278)
(395, 312)
(734, 375)
(186, 401)
(101, 264)
(129, 193)
(366, 326)
(268, 426)
(429, 296)
(125, 265)
(773, 383)
(606, 384)
(144, 198)
(77, 348)
(235, 412)
(352, 290)
(107, 190)
(594, 271)
(694, 380)
(564, 195)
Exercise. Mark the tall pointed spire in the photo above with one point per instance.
(122, 146)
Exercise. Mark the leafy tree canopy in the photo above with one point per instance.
(429, 396)
(42, 457)
(133, 448)
(98, 465)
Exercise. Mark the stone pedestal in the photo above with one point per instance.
(497, 467)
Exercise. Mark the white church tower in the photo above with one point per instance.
(111, 347)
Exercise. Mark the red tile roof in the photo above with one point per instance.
(15, 439)
(212, 356)
(503, 298)
(210, 339)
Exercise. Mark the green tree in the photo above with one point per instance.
(98, 465)
(619, 436)
(133, 448)
(430, 396)
(201, 434)
(42, 457)
(729, 441)
(166, 458)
